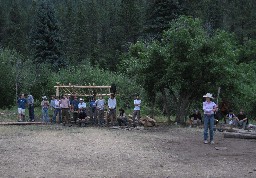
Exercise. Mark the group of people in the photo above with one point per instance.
(22, 103)
(69, 105)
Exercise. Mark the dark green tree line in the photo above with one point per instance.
(45, 37)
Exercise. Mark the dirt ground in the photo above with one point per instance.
(57, 151)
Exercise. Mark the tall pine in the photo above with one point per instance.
(15, 32)
(45, 36)
(159, 16)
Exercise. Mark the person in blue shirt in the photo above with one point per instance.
(74, 108)
(22, 102)
(93, 110)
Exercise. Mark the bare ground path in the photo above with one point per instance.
(56, 151)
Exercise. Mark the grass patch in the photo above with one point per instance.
(11, 115)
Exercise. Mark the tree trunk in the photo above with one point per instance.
(152, 110)
(181, 110)
(166, 104)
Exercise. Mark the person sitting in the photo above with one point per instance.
(81, 105)
(241, 120)
(122, 119)
(82, 116)
(229, 119)
(195, 118)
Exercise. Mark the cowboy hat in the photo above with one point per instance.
(208, 95)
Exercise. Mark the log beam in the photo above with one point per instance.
(239, 135)
(22, 123)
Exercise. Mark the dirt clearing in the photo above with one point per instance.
(57, 151)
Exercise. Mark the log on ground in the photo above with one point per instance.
(239, 135)
(22, 123)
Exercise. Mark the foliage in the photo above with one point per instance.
(86, 74)
(159, 16)
(45, 37)
(98, 33)
(188, 62)
(8, 75)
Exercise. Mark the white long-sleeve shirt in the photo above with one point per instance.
(100, 104)
(137, 104)
(111, 103)
(208, 107)
(56, 103)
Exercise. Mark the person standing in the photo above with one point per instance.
(100, 103)
(57, 110)
(52, 105)
(111, 109)
(21, 107)
(74, 108)
(93, 110)
(30, 101)
(209, 108)
(136, 111)
(65, 107)
(45, 106)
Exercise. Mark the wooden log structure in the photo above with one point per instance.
(241, 135)
(22, 123)
(79, 90)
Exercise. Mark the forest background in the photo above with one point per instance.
(171, 52)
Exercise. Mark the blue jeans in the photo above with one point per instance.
(208, 123)
(240, 124)
(45, 115)
(56, 112)
(31, 112)
(100, 115)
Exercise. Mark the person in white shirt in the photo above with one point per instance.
(57, 110)
(81, 105)
(136, 111)
(209, 108)
(111, 109)
(100, 106)
(230, 117)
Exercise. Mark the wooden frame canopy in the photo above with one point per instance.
(89, 90)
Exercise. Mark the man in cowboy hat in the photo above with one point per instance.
(209, 108)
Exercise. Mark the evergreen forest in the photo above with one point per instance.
(171, 52)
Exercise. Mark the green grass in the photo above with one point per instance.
(11, 115)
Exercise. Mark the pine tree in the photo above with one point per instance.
(67, 15)
(130, 20)
(2, 25)
(80, 38)
(45, 36)
(15, 34)
(160, 14)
